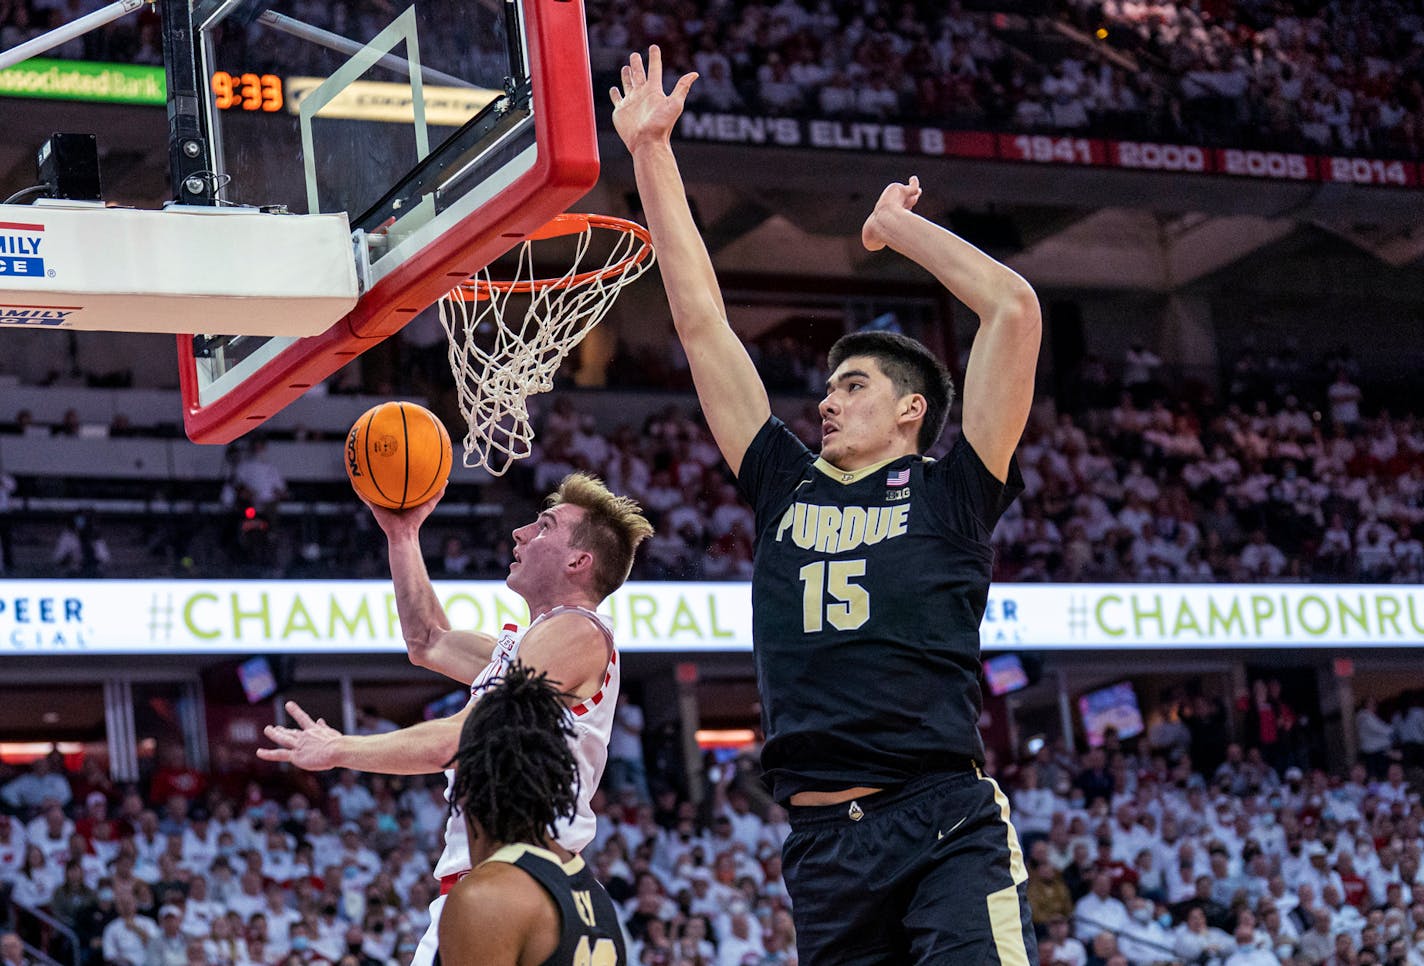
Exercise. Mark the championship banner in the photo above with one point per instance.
(905, 139)
(67, 617)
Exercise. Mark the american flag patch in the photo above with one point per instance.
(898, 478)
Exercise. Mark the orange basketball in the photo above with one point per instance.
(398, 455)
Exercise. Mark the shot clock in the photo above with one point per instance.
(247, 92)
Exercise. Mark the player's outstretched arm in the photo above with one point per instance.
(314, 745)
(429, 639)
(998, 382)
(728, 387)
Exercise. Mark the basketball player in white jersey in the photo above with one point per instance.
(576, 553)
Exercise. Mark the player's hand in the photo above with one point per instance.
(397, 523)
(311, 746)
(894, 200)
(642, 113)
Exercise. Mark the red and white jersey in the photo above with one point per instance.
(593, 725)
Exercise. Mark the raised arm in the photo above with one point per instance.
(728, 386)
(429, 640)
(421, 749)
(998, 382)
(568, 647)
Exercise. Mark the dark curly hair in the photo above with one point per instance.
(515, 773)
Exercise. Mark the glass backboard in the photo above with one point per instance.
(441, 129)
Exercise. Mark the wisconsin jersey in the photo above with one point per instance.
(593, 724)
(867, 594)
(589, 932)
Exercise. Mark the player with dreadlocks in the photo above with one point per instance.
(527, 900)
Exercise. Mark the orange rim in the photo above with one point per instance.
(569, 223)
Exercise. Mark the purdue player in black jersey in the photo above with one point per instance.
(526, 901)
(870, 581)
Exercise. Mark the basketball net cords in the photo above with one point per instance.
(493, 385)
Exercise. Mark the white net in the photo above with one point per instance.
(499, 362)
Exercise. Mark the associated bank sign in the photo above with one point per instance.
(172, 616)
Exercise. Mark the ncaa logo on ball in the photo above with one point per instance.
(385, 446)
(352, 466)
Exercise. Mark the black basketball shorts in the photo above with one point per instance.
(929, 873)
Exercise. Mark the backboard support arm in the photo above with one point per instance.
(63, 35)
(193, 180)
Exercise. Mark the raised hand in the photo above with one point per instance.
(895, 199)
(311, 746)
(642, 113)
(394, 522)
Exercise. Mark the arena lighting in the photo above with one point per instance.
(724, 737)
(24, 752)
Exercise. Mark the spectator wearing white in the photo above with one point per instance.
(223, 821)
(249, 898)
(200, 910)
(280, 916)
(1068, 951)
(277, 861)
(125, 940)
(779, 93)
(1099, 910)
(741, 939)
(149, 842)
(427, 803)
(1032, 113)
(1319, 875)
(716, 90)
(1262, 559)
(1068, 111)
(51, 831)
(1033, 805)
(1394, 788)
(259, 483)
(169, 947)
(1194, 941)
(1317, 944)
(732, 804)
(837, 97)
(1143, 940)
(1251, 949)
(223, 945)
(35, 880)
(1374, 737)
(625, 750)
(1407, 552)
(877, 99)
(1344, 398)
(359, 863)
(352, 798)
(200, 841)
(32, 789)
(1343, 916)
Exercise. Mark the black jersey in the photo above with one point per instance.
(589, 933)
(867, 594)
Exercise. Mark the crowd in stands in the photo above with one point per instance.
(1338, 76)
(1175, 847)
(1296, 474)
(1288, 479)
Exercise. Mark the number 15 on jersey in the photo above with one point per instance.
(849, 604)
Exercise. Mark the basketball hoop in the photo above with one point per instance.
(499, 363)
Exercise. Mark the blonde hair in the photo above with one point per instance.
(612, 527)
